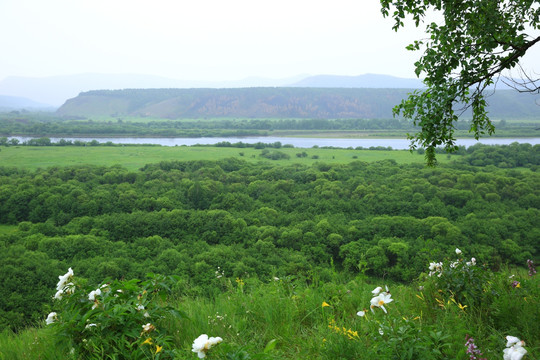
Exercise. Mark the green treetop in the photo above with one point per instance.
(465, 52)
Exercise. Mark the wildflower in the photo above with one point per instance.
(148, 327)
(361, 313)
(52, 317)
(511, 340)
(458, 252)
(203, 343)
(514, 348)
(89, 326)
(532, 270)
(325, 304)
(147, 341)
(158, 348)
(93, 294)
(381, 332)
(140, 307)
(435, 268)
(352, 335)
(219, 273)
(472, 349)
(377, 291)
(59, 294)
(63, 279)
(516, 284)
(380, 301)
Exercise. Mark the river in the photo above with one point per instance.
(398, 144)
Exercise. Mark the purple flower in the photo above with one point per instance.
(472, 349)
(532, 270)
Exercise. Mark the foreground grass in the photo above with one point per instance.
(317, 320)
(135, 157)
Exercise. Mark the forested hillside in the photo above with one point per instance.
(312, 103)
(256, 220)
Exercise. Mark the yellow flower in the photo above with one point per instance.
(325, 304)
(148, 341)
(158, 348)
(462, 307)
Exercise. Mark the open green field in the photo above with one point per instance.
(134, 157)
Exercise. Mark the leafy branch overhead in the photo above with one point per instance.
(465, 52)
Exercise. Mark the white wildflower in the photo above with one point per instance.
(514, 348)
(148, 327)
(63, 279)
(59, 294)
(458, 252)
(51, 318)
(93, 294)
(377, 291)
(435, 268)
(512, 340)
(203, 343)
(380, 301)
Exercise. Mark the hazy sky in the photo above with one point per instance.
(203, 39)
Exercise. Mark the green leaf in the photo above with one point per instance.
(270, 346)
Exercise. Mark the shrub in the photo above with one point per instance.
(124, 318)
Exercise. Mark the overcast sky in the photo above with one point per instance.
(203, 39)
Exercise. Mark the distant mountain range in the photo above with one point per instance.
(8, 103)
(269, 102)
(49, 93)
(55, 90)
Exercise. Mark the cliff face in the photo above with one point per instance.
(239, 102)
(267, 102)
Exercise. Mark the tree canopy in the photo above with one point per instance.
(465, 53)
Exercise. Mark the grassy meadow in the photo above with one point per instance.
(134, 157)
(315, 319)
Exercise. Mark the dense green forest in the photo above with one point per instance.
(258, 220)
